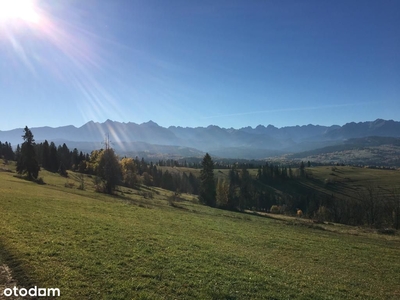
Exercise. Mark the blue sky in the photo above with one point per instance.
(196, 63)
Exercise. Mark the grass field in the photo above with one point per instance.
(93, 246)
(347, 180)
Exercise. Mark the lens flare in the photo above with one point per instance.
(18, 9)
(47, 39)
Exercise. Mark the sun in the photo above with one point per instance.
(18, 9)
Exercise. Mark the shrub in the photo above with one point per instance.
(275, 209)
(146, 195)
(69, 185)
(81, 182)
(322, 214)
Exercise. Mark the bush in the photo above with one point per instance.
(275, 209)
(171, 200)
(146, 195)
(81, 182)
(69, 185)
(322, 214)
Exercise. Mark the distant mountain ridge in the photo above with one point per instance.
(247, 142)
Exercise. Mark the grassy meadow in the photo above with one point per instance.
(137, 246)
(347, 180)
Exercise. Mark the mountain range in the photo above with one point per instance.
(150, 139)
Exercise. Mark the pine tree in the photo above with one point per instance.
(46, 155)
(6, 151)
(194, 183)
(75, 159)
(234, 182)
(17, 153)
(53, 158)
(207, 188)
(27, 162)
(64, 156)
(245, 189)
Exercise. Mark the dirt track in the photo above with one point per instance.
(6, 281)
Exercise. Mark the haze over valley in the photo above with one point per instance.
(150, 140)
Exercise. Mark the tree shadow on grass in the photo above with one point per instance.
(37, 180)
(13, 262)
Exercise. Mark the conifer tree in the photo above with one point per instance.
(234, 182)
(46, 155)
(17, 153)
(27, 162)
(75, 159)
(245, 188)
(207, 187)
(6, 151)
(53, 158)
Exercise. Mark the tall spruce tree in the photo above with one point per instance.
(53, 158)
(27, 162)
(46, 155)
(17, 153)
(207, 188)
(75, 159)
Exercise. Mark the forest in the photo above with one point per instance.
(275, 188)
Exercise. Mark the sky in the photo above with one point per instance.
(198, 63)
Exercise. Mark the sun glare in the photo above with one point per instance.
(18, 9)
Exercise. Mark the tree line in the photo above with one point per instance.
(109, 170)
(274, 187)
(132, 172)
(281, 189)
(6, 151)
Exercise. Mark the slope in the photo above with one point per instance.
(95, 246)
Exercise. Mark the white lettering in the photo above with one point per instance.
(33, 291)
(23, 292)
(7, 292)
(52, 292)
(40, 292)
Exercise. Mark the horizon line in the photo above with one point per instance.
(151, 121)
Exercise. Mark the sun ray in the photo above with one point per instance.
(43, 38)
(18, 9)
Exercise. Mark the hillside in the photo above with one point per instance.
(346, 181)
(373, 151)
(138, 246)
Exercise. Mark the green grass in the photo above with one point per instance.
(346, 180)
(222, 174)
(94, 246)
